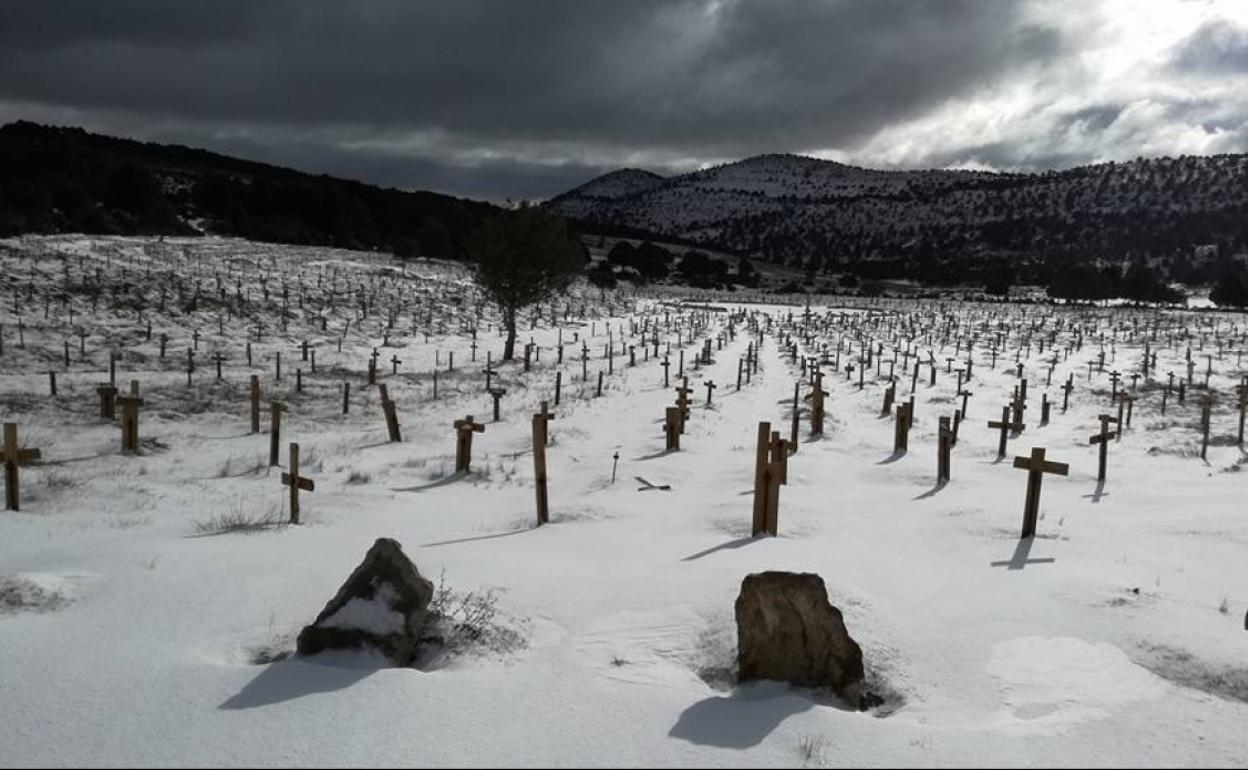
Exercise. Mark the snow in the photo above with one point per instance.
(372, 615)
(1101, 641)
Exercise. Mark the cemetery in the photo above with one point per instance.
(612, 547)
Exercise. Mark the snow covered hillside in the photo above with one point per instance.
(795, 209)
(149, 601)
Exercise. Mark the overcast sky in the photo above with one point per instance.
(527, 98)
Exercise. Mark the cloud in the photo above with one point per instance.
(1217, 46)
(510, 99)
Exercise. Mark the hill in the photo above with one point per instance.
(55, 180)
(1183, 217)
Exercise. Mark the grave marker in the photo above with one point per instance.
(1036, 466)
(463, 442)
(14, 457)
(296, 482)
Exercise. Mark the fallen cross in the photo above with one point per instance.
(648, 486)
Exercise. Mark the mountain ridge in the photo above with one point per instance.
(827, 216)
(57, 179)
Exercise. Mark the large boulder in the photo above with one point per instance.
(381, 606)
(788, 631)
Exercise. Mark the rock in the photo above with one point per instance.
(787, 631)
(382, 606)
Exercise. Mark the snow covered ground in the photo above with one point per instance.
(130, 636)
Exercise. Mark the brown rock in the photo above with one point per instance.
(382, 606)
(788, 631)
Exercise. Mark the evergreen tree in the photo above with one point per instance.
(523, 257)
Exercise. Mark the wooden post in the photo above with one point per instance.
(760, 478)
(14, 457)
(901, 429)
(797, 411)
(817, 413)
(292, 479)
(346, 397)
(1036, 467)
(539, 468)
(558, 385)
(255, 403)
(275, 430)
(388, 410)
(943, 443)
(1206, 404)
(671, 428)
(108, 401)
(497, 395)
(130, 418)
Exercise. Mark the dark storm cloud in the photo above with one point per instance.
(1217, 46)
(483, 97)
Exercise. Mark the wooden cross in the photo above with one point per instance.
(546, 417)
(1066, 389)
(1005, 425)
(682, 401)
(130, 418)
(1036, 466)
(497, 394)
(710, 386)
(1103, 438)
(768, 475)
(296, 482)
(463, 442)
(14, 457)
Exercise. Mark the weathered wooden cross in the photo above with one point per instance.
(1036, 466)
(463, 442)
(14, 457)
(292, 479)
(1005, 425)
(768, 475)
(497, 394)
(1103, 438)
